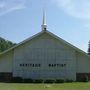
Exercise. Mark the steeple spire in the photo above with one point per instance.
(44, 25)
(89, 48)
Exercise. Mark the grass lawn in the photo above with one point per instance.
(64, 86)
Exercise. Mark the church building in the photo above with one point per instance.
(45, 56)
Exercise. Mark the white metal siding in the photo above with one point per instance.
(45, 50)
(6, 62)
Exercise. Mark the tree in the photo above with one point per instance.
(5, 44)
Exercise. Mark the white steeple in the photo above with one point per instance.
(44, 25)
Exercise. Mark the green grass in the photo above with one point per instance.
(64, 86)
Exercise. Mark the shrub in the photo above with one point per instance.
(69, 81)
(38, 81)
(17, 79)
(28, 80)
(85, 78)
(2, 79)
(59, 80)
(49, 81)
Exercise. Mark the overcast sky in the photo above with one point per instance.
(68, 19)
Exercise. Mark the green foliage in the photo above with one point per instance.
(49, 81)
(69, 81)
(28, 80)
(38, 81)
(17, 79)
(5, 44)
(59, 81)
(85, 78)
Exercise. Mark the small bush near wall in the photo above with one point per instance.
(49, 81)
(59, 81)
(16, 79)
(38, 81)
(1, 79)
(69, 81)
(85, 79)
(28, 80)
